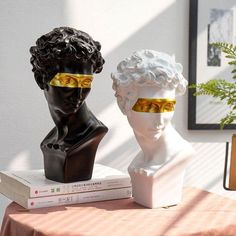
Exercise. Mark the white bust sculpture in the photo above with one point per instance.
(146, 84)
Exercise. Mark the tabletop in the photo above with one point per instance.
(200, 213)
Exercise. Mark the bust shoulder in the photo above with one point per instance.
(74, 140)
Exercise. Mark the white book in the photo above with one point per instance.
(33, 183)
(66, 199)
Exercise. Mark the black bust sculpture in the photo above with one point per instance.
(64, 61)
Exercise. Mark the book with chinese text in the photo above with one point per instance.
(33, 183)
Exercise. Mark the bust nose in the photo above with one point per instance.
(75, 96)
(79, 93)
(159, 121)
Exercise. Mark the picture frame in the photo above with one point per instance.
(209, 21)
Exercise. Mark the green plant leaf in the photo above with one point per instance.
(220, 88)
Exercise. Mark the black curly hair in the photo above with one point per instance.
(63, 43)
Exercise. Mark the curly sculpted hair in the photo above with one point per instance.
(63, 43)
(146, 68)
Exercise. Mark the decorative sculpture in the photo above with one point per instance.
(231, 168)
(146, 85)
(64, 61)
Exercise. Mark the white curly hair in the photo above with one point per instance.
(146, 68)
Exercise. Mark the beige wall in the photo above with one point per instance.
(122, 27)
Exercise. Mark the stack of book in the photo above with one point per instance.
(31, 189)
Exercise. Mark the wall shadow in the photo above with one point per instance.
(24, 119)
(161, 34)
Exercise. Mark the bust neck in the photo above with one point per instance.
(69, 125)
(158, 150)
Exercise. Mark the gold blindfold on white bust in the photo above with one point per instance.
(72, 80)
(154, 105)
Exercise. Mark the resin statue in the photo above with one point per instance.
(146, 85)
(231, 169)
(64, 61)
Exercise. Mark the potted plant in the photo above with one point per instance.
(220, 88)
(225, 91)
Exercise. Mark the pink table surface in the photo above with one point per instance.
(200, 213)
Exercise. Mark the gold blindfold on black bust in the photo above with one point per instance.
(154, 105)
(72, 80)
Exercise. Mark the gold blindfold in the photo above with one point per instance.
(154, 105)
(72, 80)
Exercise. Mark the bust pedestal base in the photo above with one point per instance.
(157, 191)
(74, 165)
(159, 186)
(63, 167)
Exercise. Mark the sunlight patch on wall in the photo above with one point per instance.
(207, 167)
(112, 22)
(20, 162)
(114, 136)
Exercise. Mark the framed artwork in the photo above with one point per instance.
(210, 21)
